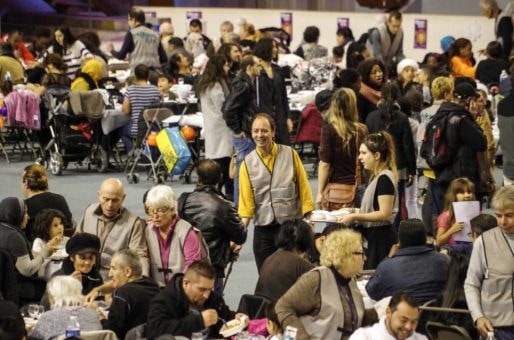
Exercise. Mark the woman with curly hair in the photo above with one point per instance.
(325, 303)
(49, 224)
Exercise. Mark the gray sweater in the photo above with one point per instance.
(54, 322)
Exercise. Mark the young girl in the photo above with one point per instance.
(460, 189)
(461, 64)
(48, 227)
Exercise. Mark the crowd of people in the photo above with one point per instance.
(395, 131)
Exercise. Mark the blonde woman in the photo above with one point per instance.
(341, 136)
(380, 200)
(325, 303)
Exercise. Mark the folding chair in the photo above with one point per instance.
(153, 118)
(253, 305)
(308, 134)
(440, 331)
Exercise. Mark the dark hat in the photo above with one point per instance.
(323, 100)
(412, 233)
(465, 90)
(83, 243)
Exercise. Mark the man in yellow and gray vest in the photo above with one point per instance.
(489, 285)
(116, 226)
(273, 187)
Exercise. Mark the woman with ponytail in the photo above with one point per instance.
(380, 201)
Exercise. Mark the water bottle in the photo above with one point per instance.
(505, 85)
(290, 333)
(73, 328)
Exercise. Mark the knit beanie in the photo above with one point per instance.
(407, 62)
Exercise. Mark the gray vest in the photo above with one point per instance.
(117, 238)
(146, 48)
(369, 194)
(329, 322)
(497, 287)
(389, 48)
(275, 193)
(176, 258)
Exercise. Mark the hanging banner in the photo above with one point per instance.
(286, 23)
(190, 15)
(420, 33)
(343, 22)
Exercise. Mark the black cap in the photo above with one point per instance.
(465, 91)
(83, 243)
(323, 100)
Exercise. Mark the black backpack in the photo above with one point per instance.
(435, 148)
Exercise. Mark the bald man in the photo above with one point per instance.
(117, 227)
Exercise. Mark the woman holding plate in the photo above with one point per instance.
(380, 200)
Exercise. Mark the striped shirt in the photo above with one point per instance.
(140, 97)
(73, 57)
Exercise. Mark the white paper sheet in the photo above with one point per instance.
(464, 212)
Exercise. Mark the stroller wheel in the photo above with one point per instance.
(159, 179)
(56, 164)
(42, 161)
(102, 160)
(130, 179)
(136, 178)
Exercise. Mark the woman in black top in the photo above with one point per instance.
(35, 189)
(388, 117)
(380, 200)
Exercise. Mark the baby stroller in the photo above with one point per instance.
(74, 123)
(145, 151)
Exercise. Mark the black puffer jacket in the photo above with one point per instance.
(466, 138)
(208, 210)
(170, 313)
(239, 107)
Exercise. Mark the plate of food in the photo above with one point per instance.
(233, 327)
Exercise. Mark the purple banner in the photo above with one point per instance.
(286, 22)
(343, 22)
(420, 33)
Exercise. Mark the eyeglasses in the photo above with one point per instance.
(158, 211)
(360, 253)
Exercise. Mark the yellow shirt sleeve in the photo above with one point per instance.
(304, 188)
(246, 206)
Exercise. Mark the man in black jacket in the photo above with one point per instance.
(208, 210)
(132, 296)
(188, 305)
(238, 111)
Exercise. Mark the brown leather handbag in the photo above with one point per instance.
(337, 196)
